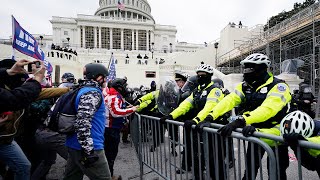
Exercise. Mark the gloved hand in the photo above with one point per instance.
(88, 159)
(164, 118)
(292, 138)
(137, 102)
(227, 129)
(248, 130)
(209, 118)
(201, 125)
(188, 124)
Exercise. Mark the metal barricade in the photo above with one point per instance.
(208, 155)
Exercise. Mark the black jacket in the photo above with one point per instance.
(15, 100)
(18, 98)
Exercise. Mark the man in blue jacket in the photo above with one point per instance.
(86, 144)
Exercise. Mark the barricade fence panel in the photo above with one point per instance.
(170, 151)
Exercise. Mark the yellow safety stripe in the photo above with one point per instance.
(283, 99)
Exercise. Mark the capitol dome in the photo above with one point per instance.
(134, 9)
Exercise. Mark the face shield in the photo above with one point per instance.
(169, 97)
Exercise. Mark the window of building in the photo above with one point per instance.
(127, 34)
(65, 33)
(142, 35)
(89, 37)
(105, 38)
(81, 37)
(116, 38)
(150, 74)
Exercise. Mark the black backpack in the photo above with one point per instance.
(63, 113)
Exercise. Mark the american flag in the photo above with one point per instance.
(112, 70)
(120, 5)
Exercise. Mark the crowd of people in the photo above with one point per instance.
(29, 147)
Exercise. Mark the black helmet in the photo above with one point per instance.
(192, 82)
(93, 70)
(218, 83)
(69, 77)
(120, 85)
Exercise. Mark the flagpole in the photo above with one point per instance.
(111, 59)
(13, 28)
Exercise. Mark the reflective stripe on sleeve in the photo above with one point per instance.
(283, 99)
(189, 100)
(239, 94)
(213, 99)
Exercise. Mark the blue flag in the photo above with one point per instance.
(25, 43)
(112, 70)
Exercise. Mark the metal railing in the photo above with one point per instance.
(208, 155)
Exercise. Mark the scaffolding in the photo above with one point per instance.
(295, 38)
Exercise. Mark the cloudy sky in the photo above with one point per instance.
(196, 21)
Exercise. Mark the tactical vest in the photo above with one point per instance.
(200, 98)
(253, 100)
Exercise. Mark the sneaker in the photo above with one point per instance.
(182, 171)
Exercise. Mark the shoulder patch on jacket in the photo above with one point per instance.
(282, 87)
(218, 94)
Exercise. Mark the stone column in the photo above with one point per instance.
(122, 40)
(126, 14)
(95, 37)
(111, 39)
(131, 15)
(78, 41)
(114, 14)
(100, 37)
(108, 13)
(132, 41)
(83, 36)
(137, 39)
(147, 43)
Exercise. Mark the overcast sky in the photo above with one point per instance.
(196, 21)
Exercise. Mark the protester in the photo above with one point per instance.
(68, 80)
(86, 144)
(16, 94)
(116, 119)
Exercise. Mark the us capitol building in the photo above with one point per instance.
(143, 50)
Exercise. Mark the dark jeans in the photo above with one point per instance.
(99, 170)
(50, 143)
(283, 160)
(111, 144)
(12, 155)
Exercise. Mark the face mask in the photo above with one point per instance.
(204, 79)
(249, 77)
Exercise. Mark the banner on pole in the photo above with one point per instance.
(25, 43)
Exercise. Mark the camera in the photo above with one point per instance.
(37, 63)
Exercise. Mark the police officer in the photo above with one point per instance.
(201, 101)
(263, 102)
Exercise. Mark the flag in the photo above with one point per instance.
(25, 43)
(111, 69)
(120, 5)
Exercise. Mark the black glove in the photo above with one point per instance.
(248, 130)
(188, 124)
(209, 118)
(88, 159)
(292, 138)
(136, 103)
(164, 118)
(227, 129)
(201, 125)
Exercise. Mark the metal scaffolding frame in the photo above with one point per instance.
(294, 38)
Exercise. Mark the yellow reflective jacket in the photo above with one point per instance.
(147, 99)
(314, 152)
(210, 99)
(276, 99)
